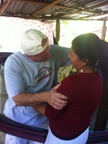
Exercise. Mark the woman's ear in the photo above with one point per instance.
(85, 62)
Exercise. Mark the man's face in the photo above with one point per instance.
(43, 56)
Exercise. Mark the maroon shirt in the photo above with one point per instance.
(84, 92)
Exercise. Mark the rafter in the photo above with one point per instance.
(49, 18)
(34, 1)
(46, 7)
(4, 6)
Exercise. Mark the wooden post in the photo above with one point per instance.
(104, 30)
(58, 30)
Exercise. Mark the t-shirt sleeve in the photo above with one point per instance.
(62, 54)
(65, 56)
(13, 78)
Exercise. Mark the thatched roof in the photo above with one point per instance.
(55, 9)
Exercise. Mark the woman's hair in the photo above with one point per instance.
(88, 46)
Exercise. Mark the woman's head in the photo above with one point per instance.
(87, 48)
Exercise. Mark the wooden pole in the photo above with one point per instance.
(104, 29)
(58, 30)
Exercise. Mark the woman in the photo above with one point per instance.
(84, 91)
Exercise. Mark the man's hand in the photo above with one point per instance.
(55, 99)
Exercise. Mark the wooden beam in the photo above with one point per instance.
(46, 7)
(47, 17)
(4, 6)
(34, 1)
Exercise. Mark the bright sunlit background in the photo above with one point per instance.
(11, 30)
(70, 29)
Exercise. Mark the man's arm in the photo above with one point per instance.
(15, 86)
(53, 98)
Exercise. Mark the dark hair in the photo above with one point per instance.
(88, 46)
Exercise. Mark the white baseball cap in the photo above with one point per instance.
(31, 42)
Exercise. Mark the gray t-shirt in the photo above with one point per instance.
(24, 75)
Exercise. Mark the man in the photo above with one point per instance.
(29, 76)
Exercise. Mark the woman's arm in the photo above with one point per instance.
(40, 108)
(64, 88)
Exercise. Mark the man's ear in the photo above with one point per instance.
(44, 41)
(27, 55)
